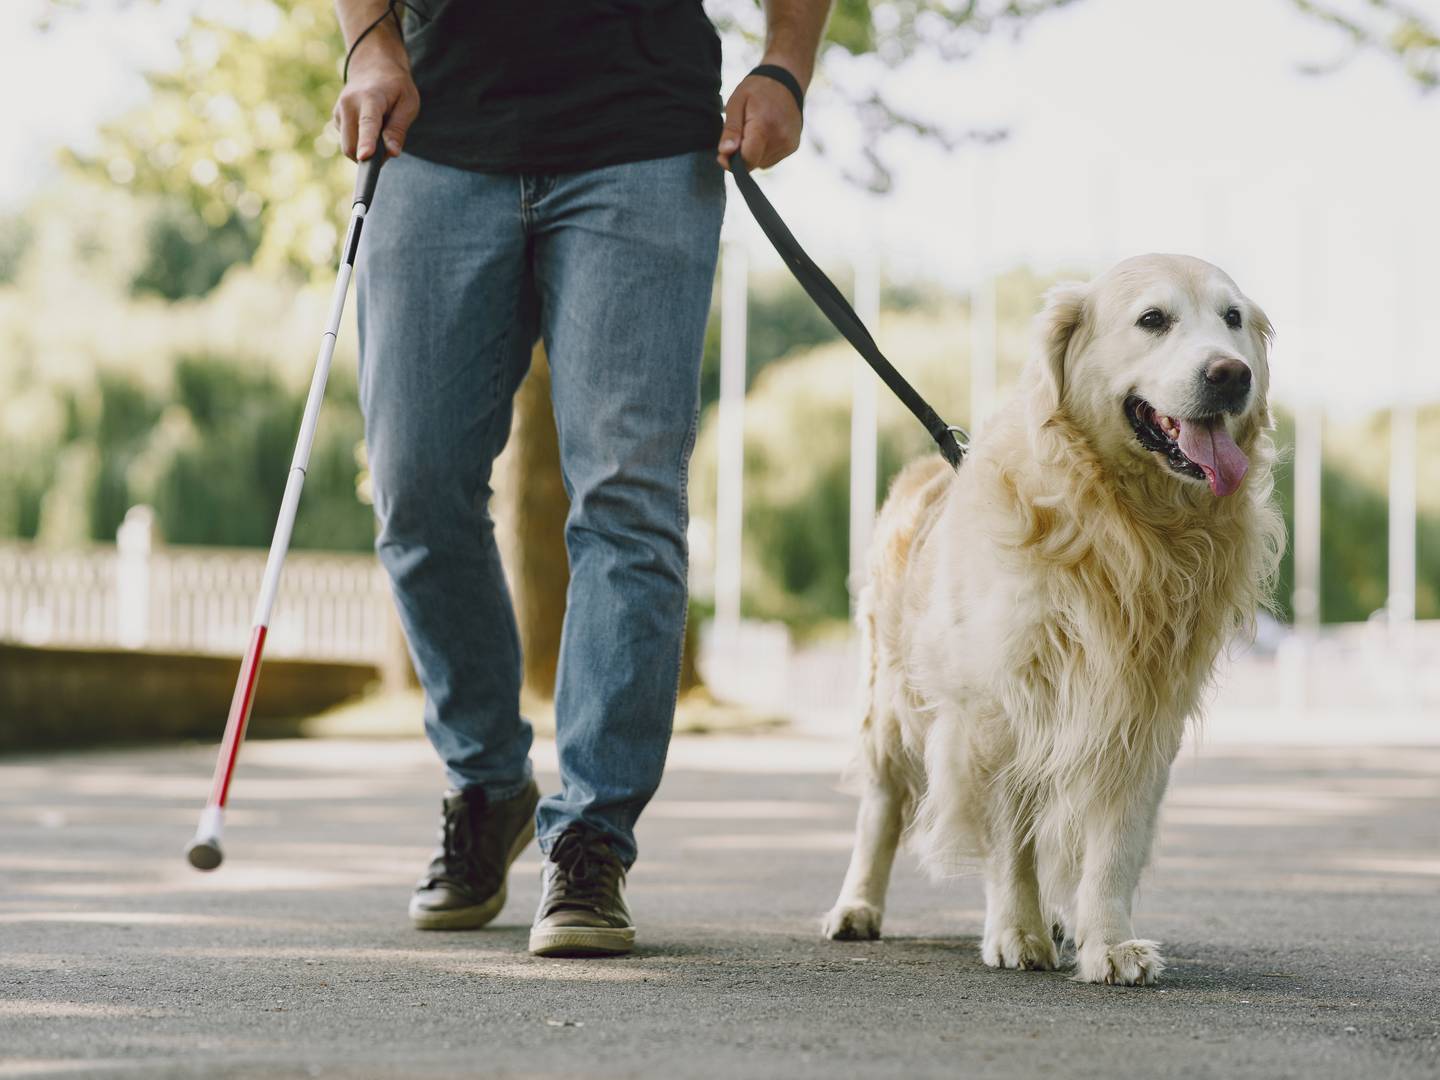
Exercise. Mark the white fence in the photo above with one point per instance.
(139, 595)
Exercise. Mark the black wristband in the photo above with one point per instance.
(785, 79)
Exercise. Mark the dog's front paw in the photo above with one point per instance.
(852, 922)
(1012, 947)
(1131, 963)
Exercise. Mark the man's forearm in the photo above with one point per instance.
(379, 101)
(793, 29)
(355, 15)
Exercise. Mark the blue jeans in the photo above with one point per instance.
(459, 272)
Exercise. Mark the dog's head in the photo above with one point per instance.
(1161, 362)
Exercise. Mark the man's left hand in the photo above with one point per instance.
(762, 121)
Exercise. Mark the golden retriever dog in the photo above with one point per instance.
(1041, 623)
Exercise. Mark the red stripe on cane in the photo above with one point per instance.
(239, 716)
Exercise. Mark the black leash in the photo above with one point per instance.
(838, 310)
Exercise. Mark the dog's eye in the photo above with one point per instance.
(1232, 318)
(1154, 320)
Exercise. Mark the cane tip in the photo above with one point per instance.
(204, 854)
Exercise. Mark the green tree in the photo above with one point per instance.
(15, 237)
(210, 451)
(238, 133)
(185, 257)
(1390, 27)
(216, 467)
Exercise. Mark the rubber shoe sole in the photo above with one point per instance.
(582, 940)
(473, 918)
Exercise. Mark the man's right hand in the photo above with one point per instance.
(380, 99)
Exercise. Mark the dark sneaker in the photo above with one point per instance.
(582, 900)
(464, 888)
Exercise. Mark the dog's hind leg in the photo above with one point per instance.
(856, 914)
(1059, 873)
(883, 800)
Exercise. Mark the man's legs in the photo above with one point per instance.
(447, 313)
(624, 263)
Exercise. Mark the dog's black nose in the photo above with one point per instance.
(1228, 373)
(1225, 384)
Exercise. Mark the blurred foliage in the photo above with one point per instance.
(15, 236)
(780, 318)
(209, 451)
(1354, 517)
(1392, 27)
(189, 405)
(219, 477)
(239, 132)
(797, 467)
(186, 257)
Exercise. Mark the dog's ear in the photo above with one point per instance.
(1059, 323)
(1262, 333)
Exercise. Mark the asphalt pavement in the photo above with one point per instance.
(1296, 890)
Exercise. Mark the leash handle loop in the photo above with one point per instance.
(838, 310)
(785, 79)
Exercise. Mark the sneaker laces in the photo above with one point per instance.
(457, 855)
(587, 867)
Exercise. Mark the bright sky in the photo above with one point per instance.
(1137, 125)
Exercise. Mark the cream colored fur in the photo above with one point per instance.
(1041, 624)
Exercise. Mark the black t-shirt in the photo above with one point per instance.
(553, 86)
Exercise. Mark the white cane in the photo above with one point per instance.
(204, 851)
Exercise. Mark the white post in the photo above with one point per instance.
(983, 359)
(982, 306)
(864, 435)
(1400, 575)
(1400, 572)
(1400, 603)
(730, 452)
(1306, 598)
(1296, 651)
(133, 543)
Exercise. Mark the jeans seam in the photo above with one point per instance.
(683, 485)
(683, 522)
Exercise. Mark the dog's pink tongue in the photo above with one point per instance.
(1211, 447)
